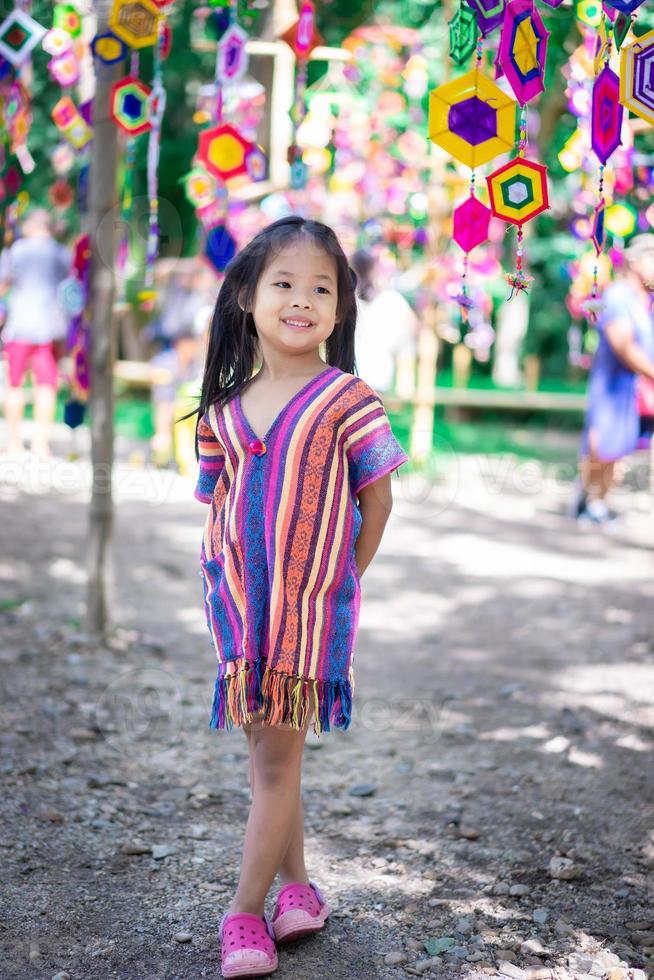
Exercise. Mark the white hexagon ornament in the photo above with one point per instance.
(232, 55)
(56, 41)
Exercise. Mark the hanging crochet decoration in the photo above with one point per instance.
(19, 35)
(223, 151)
(130, 105)
(523, 49)
(489, 13)
(463, 35)
(637, 77)
(74, 295)
(607, 113)
(135, 22)
(302, 37)
(472, 119)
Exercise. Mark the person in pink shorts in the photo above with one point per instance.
(31, 271)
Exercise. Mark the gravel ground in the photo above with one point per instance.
(489, 812)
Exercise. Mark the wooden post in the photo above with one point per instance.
(101, 224)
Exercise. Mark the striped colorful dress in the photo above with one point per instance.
(281, 587)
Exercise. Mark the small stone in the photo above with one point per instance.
(476, 956)
(638, 925)
(436, 946)
(509, 969)
(470, 833)
(160, 851)
(580, 962)
(643, 938)
(422, 966)
(198, 831)
(501, 888)
(460, 952)
(98, 781)
(431, 874)
(183, 937)
(340, 810)
(647, 950)
(519, 890)
(563, 928)
(464, 925)
(638, 975)
(363, 789)
(136, 847)
(534, 947)
(564, 869)
(605, 960)
(414, 945)
(538, 973)
(395, 958)
(506, 954)
(616, 974)
(540, 915)
(82, 734)
(62, 976)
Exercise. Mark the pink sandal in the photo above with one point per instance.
(299, 910)
(247, 945)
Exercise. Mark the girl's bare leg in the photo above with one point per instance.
(597, 476)
(14, 408)
(276, 756)
(292, 867)
(45, 402)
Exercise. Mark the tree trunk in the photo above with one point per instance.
(102, 214)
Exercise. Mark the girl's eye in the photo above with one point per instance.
(287, 284)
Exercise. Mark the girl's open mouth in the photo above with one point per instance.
(298, 323)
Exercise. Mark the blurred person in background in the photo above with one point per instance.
(183, 291)
(386, 325)
(621, 380)
(175, 370)
(31, 270)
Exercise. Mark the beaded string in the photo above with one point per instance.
(519, 281)
(592, 306)
(464, 299)
(127, 200)
(157, 107)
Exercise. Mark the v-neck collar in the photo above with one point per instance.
(282, 412)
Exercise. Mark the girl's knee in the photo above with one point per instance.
(277, 757)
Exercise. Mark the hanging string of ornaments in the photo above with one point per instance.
(474, 120)
(226, 155)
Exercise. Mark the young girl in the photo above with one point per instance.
(295, 463)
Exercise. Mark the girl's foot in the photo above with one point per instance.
(299, 910)
(247, 945)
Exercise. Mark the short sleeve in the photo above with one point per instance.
(212, 459)
(616, 304)
(371, 448)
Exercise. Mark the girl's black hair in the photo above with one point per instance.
(232, 344)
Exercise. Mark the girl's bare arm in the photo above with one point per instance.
(621, 338)
(375, 505)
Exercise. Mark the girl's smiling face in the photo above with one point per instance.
(296, 301)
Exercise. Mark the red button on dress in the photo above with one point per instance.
(257, 447)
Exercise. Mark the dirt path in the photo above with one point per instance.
(503, 717)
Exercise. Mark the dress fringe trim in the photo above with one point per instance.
(285, 698)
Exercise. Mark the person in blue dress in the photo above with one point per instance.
(625, 351)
